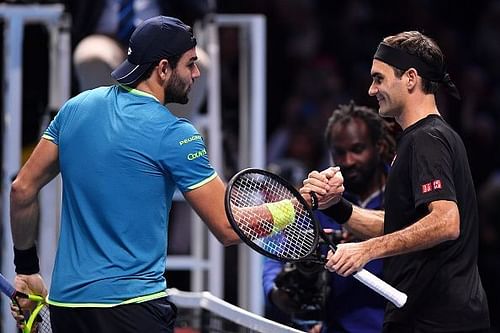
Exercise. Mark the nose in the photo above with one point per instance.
(372, 90)
(349, 159)
(196, 72)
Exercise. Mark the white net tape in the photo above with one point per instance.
(228, 317)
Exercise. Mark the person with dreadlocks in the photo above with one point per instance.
(361, 143)
(428, 233)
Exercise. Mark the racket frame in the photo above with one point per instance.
(397, 297)
(8, 289)
(295, 193)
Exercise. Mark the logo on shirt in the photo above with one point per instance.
(193, 156)
(432, 186)
(190, 139)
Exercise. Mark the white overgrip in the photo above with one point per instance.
(378, 285)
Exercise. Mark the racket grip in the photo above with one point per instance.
(6, 287)
(378, 285)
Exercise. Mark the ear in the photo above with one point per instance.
(163, 69)
(411, 76)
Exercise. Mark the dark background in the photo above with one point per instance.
(319, 55)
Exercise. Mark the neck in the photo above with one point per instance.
(417, 108)
(153, 88)
(376, 184)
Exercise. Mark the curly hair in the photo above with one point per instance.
(380, 130)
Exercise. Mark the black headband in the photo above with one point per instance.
(403, 60)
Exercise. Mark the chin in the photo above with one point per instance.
(385, 113)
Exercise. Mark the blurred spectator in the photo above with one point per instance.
(101, 29)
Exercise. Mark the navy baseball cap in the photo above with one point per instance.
(154, 39)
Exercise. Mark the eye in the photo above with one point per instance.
(377, 78)
(338, 153)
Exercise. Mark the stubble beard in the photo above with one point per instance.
(175, 91)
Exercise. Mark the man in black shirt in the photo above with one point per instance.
(429, 232)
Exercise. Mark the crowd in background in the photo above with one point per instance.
(319, 55)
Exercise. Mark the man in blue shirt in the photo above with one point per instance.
(121, 153)
(361, 144)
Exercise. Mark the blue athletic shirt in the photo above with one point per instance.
(121, 155)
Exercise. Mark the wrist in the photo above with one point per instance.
(26, 261)
(341, 212)
(282, 212)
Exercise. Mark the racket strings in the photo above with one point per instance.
(294, 240)
(43, 321)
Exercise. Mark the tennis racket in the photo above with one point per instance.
(39, 318)
(271, 217)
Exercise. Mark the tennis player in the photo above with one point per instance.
(121, 154)
(429, 232)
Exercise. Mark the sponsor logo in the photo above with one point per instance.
(188, 140)
(193, 156)
(432, 186)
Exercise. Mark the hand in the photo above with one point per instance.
(327, 184)
(315, 329)
(347, 236)
(28, 284)
(348, 259)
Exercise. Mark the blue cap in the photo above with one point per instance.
(154, 39)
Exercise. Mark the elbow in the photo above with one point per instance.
(228, 237)
(20, 193)
(447, 215)
(454, 232)
(229, 240)
(453, 225)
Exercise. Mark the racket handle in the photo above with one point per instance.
(6, 287)
(378, 285)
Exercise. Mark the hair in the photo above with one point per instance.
(422, 46)
(172, 63)
(380, 131)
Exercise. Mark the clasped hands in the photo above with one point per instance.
(328, 185)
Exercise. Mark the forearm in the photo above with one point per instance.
(365, 223)
(436, 227)
(24, 216)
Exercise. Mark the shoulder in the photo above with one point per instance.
(92, 94)
(432, 129)
(184, 128)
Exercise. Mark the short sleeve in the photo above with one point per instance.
(52, 131)
(432, 168)
(184, 155)
(56, 126)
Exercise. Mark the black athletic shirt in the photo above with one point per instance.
(443, 285)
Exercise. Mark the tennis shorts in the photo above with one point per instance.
(155, 316)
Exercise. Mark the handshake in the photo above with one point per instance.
(327, 186)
